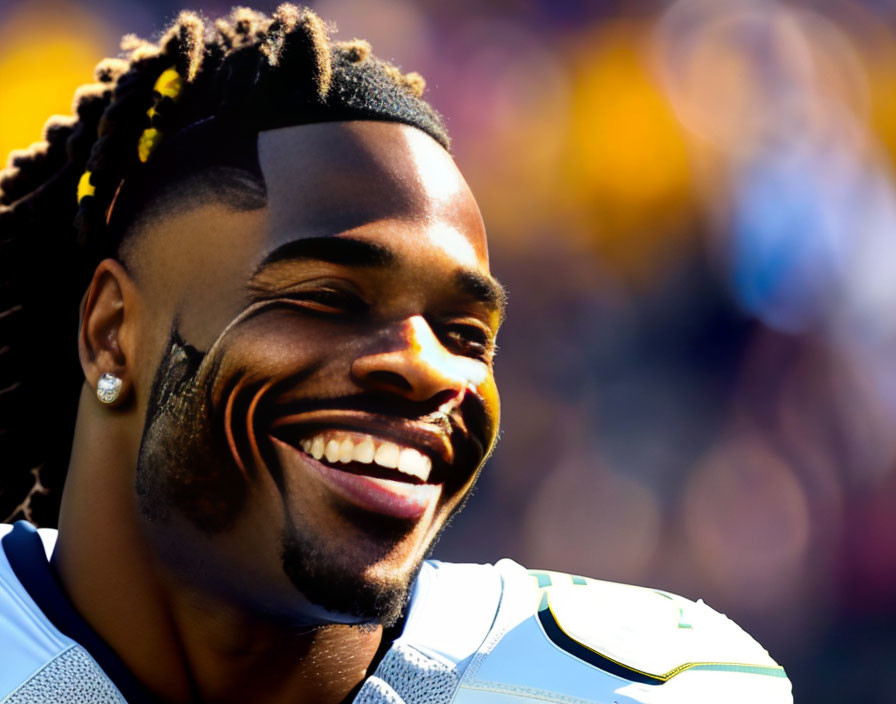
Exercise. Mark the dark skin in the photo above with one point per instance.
(392, 336)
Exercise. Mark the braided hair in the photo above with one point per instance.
(68, 201)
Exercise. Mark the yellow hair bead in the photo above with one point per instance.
(85, 187)
(149, 140)
(169, 84)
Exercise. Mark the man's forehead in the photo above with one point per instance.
(329, 178)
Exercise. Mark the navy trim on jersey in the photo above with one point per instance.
(573, 647)
(25, 552)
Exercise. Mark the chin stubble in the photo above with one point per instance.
(340, 591)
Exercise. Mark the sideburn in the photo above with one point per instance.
(181, 465)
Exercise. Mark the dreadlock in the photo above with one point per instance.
(69, 200)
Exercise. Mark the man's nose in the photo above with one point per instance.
(414, 364)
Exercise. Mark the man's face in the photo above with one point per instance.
(317, 382)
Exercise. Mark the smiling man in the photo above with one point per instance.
(285, 340)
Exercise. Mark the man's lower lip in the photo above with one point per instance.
(385, 496)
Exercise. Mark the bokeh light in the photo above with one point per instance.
(48, 51)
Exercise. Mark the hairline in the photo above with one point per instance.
(241, 189)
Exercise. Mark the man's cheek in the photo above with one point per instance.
(257, 360)
(270, 346)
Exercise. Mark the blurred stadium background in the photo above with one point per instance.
(692, 204)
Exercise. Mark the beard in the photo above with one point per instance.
(188, 468)
(180, 465)
(324, 583)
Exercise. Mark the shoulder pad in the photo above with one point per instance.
(561, 637)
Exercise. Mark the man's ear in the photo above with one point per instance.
(106, 339)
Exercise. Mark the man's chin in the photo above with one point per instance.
(343, 593)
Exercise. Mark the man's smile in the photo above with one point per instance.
(384, 464)
(354, 448)
(367, 486)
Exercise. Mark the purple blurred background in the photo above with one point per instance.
(692, 204)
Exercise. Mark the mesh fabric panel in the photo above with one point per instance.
(73, 677)
(406, 676)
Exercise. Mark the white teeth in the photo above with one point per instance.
(332, 451)
(412, 462)
(406, 460)
(364, 451)
(346, 451)
(387, 455)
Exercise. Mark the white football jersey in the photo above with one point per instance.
(473, 634)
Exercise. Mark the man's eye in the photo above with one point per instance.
(327, 300)
(468, 340)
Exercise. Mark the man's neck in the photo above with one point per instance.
(225, 655)
(187, 647)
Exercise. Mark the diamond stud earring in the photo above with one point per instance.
(108, 388)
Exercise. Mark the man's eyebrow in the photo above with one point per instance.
(485, 289)
(346, 251)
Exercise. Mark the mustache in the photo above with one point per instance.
(451, 411)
